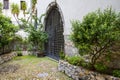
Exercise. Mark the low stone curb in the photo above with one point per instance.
(7, 57)
(80, 73)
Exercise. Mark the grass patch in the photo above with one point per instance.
(31, 59)
(30, 66)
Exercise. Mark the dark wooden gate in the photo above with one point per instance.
(54, 28)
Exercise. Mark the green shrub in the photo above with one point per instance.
(75, 60)
(116, 73)
(7, 32)
(86, 65)
(97, 32)
(37, 36)
(62, 55)
(19, 53)
(100, 67)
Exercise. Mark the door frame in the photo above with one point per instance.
(51, 6)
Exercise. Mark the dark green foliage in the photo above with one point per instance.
(7, 31)
(100, 67)
(96, 33)
(62, 55)
(116, 73)
(74, 60)
(37, 36)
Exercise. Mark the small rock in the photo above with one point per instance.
(42, 74)
(100, 78)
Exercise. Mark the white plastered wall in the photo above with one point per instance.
(7, 12)
(76, 9)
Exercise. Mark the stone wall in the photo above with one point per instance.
(80, 73)
(7, 57)
(70, 49)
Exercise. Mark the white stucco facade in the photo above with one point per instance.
(7, 12)
(72, 10)
(75, 9)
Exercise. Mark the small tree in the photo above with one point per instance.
(15, 11)
(24, 7)
(96, 33)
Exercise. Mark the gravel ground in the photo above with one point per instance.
(31, 68)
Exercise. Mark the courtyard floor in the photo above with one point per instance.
(31, 68)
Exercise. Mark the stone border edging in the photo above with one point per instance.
(80, 73)
(7, 57)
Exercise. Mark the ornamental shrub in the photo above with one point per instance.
(62, 55)
(74, 60)
(100, 67)
(7, 32)
(96, 33)
(116, 73)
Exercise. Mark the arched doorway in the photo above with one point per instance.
(54, 28)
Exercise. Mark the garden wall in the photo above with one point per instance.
(7, 57)
(70, 49)
(80, 73)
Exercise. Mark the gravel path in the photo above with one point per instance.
(31, 68)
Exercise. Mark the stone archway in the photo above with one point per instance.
(54, 28)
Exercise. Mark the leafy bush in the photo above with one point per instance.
(116, 73)
(96, 33)
(74, 60)
(62, 55)
(37, 36)
(100, 67)
(7, 31)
